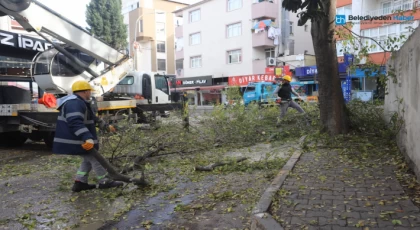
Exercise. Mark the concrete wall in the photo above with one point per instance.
(214, 43)
(407, 65)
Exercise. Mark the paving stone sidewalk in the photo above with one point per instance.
(325, 191)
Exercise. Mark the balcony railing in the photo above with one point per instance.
(264, 9)
(394, 8)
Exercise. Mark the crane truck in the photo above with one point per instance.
(78, 56)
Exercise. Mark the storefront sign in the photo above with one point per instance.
(244, 80)
(23, 42)
(269, 70)
(192, 81)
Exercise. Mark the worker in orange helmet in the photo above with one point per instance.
(76, 134)
(284, 92)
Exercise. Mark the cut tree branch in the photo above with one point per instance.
(113, 173)
(211, 167)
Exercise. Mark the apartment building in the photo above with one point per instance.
(231, 44)
(151, 29)
(380, 30)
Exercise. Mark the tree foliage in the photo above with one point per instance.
(106, 22)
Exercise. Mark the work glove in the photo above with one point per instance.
(88, 145)
(111, 129)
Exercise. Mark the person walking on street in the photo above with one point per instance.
(284, 92)
(76, 134)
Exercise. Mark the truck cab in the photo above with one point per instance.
(259, 92)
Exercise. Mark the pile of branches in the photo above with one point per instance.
(237, 126)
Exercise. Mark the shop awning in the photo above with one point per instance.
(200, 87)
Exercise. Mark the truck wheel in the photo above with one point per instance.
(16, 5)
(36, 136)
(49, 139)
(13, 139)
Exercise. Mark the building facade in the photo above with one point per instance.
(227, 45)
(379, 30)
(151, 30)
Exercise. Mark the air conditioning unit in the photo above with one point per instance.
(271, 61)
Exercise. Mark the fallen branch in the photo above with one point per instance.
(113, 173)
(141, 158)
(211, 167)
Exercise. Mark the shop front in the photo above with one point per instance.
(200, 90)
(355, 82)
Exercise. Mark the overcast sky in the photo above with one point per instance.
(74, 10)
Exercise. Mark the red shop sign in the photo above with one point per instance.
(244, 80)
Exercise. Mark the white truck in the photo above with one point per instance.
(80, 57)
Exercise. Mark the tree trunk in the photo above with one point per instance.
(333, 112)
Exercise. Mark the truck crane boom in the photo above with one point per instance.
(56, 69)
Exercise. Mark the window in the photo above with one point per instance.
(306, 28)
(270, 53)
(128, 80)
(196, 62)
(161, 64)
(195, 16)
(234, 56)
(234, 4)
(161, 83)
(179, 64)
(160, 29)
(291, 28)
(234, 30)
(386, 8)
(195, 39)
(141, 26)
(161, 47)
(382, 34)
(179, 44)
(344, 10)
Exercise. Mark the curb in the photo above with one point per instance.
(261, 219)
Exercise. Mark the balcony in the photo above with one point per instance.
(261, 40)
(179, 31)
(394, 7)
(179, 54)
(258, 66)
(265, 10)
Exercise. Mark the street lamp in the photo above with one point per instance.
(136, 32)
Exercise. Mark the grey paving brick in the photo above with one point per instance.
(321, 192)
(301, 207)
(320, 202)
(329, 197)
(336, 227)
(355, 215)
(383, 223)
(344, 193)
(361, 222)
(318, 214)
(301, 220)
(300, 201)
(353, 189)
(331, 221)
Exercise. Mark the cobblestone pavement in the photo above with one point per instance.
(330, 192)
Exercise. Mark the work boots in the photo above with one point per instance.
(108, 183)
(80, 186)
